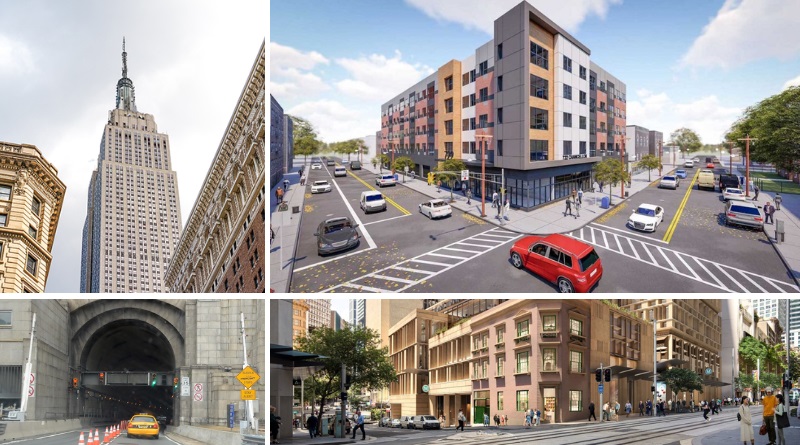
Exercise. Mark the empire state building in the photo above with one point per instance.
(133, 219)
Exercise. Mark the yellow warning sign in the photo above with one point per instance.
(248, 394)
(248, 377)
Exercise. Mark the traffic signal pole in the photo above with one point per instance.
(602, 411)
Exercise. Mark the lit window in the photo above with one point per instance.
(522, 400)
(576, 401)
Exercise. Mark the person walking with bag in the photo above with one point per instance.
(461, 420)
(359, 424)
(781, 419)
(568, 209)
(769, 402)
(311, 424)
(778, 201)
(746, 425)
(769, 211)
(274, 424)
(506, 208)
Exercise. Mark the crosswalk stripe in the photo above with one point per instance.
(634, 249)
(708, 272)
(652, 259)
(605, 241)
(772, 282)
(361, 288)
(742, 273)
(665, 257)
(619, 244)
(408, 269)
(487, 240)
(471, 244)
(446, 256)
(591, 229)
(461, 250)
(498, 236)
(384, 277)
(680, 257)
(719, 266)
(431, 262)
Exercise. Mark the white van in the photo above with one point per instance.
(372, 201)
(340, 171)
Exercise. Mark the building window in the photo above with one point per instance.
(522, 328)
(583, 147)
(5, 318)
(575, 401)
(483, 68)
(483, 121)
(500, 147)
(539, 150)
(539, 56)
(538, 119)
(499, 115)
(567, 64)
(522, 400)
(448, 83)
(31, 265)
(472, 99)
(582, 122)
(576, 361)
(465, 79)
(567, 92)
(5, 192)
(592, 82)
(568, 120)
(522, 362)
(499, 51)
(582, 72)
(3, 220)
(448, 127)
(582, 97)
(567, 148)
(32, 231)
(499, 83)
(549, 359)
(548, 323)
(501, 365)
(499, 400)
(448, 105)
(36, 206)
(575, 327)
(539, 87)
(484, 95)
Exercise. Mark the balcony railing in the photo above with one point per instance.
(522, 338)
(550, 336)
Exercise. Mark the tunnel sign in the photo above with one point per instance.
(248, 394)
(185, 386)
(248, 377)
(32, 385)
(198, 392)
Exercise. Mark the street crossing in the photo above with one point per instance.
(655, 253)
(408, 273)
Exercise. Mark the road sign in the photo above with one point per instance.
(426, 388)
(198, 387)
(248, 394)
(464, 175)
(405, 169)
(32, 385)
(185, 385)
(248, 377)
(600, 388)
(231, 415)
(708, 371)
(198, 392)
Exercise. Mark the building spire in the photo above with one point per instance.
(126, 99)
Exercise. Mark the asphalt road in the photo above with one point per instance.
(401, 250)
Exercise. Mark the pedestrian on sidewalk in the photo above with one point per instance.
(746, 425)
(311, 424)
(605, 412)
(769, 401)
(591, 411)
(495, 199)
(641, 408)
(496, 420)
(439, 185)
(769, 210)
(537, 417)
(577, 209)
(705, 407)
(469, 196)
(303, 180)
(274, 424)
(359, 424)
(461, 420)
(485, 419)
(580, 195)
(506, 208)
(778, 201)
(628, 409)
(616, 410)
(528, 418)
(279, 195)
(568, 202)
(286, 184)
(756, 190)
(781, 419)
(464, 188)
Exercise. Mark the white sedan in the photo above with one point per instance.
(646, 218)
(435, 208)
(733, 194)
(320, 187)
(316, 166)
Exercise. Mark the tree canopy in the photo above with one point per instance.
(650, 162)
(305, 137)
(401, 162)
(775, 122)
(610, 171)
(680, 379)
(445, 172)
(686, 139)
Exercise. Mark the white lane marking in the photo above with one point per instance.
(299, 269)
(708, 272)
(665, 257)
(384, 220)
(721, 269)
(634, 249)
(619, 244)
(680, 257)
(384, 277)
(493, 241)
(446, 256)
(772, 282)
(499, 236)
(428, 262)
(751, 280)
(476, 245)
(361, 288)
(364, 231)
(629, 233)
(408, 269)
(461, 250)
(591, 229)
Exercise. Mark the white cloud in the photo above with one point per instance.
(745, 31)
(335, 121)
(480, 14)
(377, 77)
(15, 57)
(290, 72)
(706, 116)
(792, 83)
(282, 57)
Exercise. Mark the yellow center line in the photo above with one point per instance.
(671, 229)
(389, 200)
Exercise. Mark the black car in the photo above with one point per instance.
(162, 422)
(726, 180)
(335, 235)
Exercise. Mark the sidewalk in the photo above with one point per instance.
(286, 225)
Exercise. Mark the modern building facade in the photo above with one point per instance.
(280, 142)
(654, 139)
(737, 323)
(522, 103)
(31, 198)
(638, 143)
(299, 320)
(133, 218)
(358, 312)
(222, 248)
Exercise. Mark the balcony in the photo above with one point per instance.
(549, 367)
(550, 337)
(522, 339)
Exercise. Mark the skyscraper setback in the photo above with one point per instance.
(133, 220)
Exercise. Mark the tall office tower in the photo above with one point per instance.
(133, 219)
(771, 307)
(319, 313)
(794, 322)
(358, 312)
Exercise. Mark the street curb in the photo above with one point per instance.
(296, 237)
(774, 245)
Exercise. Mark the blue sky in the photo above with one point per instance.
(695, 64)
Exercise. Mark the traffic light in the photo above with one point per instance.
(154, 381)
(652, 389)
(175, 383)
(102, 376)
(598, 374)
(74, 382)
(348, 381)
(607, 374)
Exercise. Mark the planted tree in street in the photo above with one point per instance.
(769, 379)
(305, 138)
(686, 139)
(402, 162)
(751, 350)
(650, 162)
(610, 171)
(357, 349)
(381, 159)
(448, 171)
(682, 380)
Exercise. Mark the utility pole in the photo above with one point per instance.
(624, 168)
(653, 318)
(23, 406)
(249, 403)
(602, 377)
(343, 410)
(730, 158)
(660, 155)
(747, 140)
(482, 150)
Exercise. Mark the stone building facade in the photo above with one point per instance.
(222, 247)
(31, 198)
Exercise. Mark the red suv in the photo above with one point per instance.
(570, 264)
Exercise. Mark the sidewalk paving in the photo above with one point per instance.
(286, 226)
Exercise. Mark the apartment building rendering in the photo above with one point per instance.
(529, 104)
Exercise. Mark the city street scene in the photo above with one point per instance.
(501, 371)
(532, 153)
(136, 371)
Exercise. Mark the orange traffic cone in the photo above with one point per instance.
(114, 432)
(80, 440)
(96, 437)
(90, 439)
(105, 437)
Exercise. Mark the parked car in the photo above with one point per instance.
(706, 180)
(710, 165)
(335, 235)
(339, 171)
(646, 218)
(330, 162)
(316, 166)
(426, 423)
(321, 186)
(387, 179)
(372, 201)
(734, 194)
(396, 423)
(385, 422)
(355, 165)
(435, 208)
(689, 164)
(681, 174)
(571, 264)
(669, 182)
(743, 213)
(406, 422)
(727, 180)
(345, 161)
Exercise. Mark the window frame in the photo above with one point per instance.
(500, 365)
(526, 402)
(554, 352)
(6, 194)
(3, 219)
(517, 363)
(567, 64)
(10, 318)
(566, 119)
(580, 363)
(35, 261)
(499, 400)
(567, 93)
(579, 400)
(517, 324)
(545, 325)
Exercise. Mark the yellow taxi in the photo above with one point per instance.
(143, 425)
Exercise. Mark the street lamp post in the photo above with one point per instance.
(622, 158)
(653, 318)
(660, 156)
(730, 158)
(747, 140)
(483, 148)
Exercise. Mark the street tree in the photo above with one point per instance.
(361, 148)
(357, 349)
(306, 141)
(744, 380)
(769, 379)
(610, 171)
(775, 122)
(448, 171)
(650, 162)
(751, 350)
(682, 380)
(402, 162)
(381, 160)
(686, 139)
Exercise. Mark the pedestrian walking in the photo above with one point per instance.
(616, 410)
(441, 420)
(769, 211)
(537, 417)
(464, 188)
(496, 420)
(359, 419)
(274, 424)
(469, 196)
(577, 209)
(461, 419)
(706, 408)
(485, 419)
(495, 199)
(505, 419)
(591, 411)
(778, 201)
(439, 185)
(781, 419)
(568, 203)
(580, 195)
(769, 402)
(303, 180)
(499, 209)
(628, 409)
(746, 422)
(641, 408)
(605, 412)
(279, 195)
(286, 184)
(311, 424)
(756, 190)
(506, 208)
